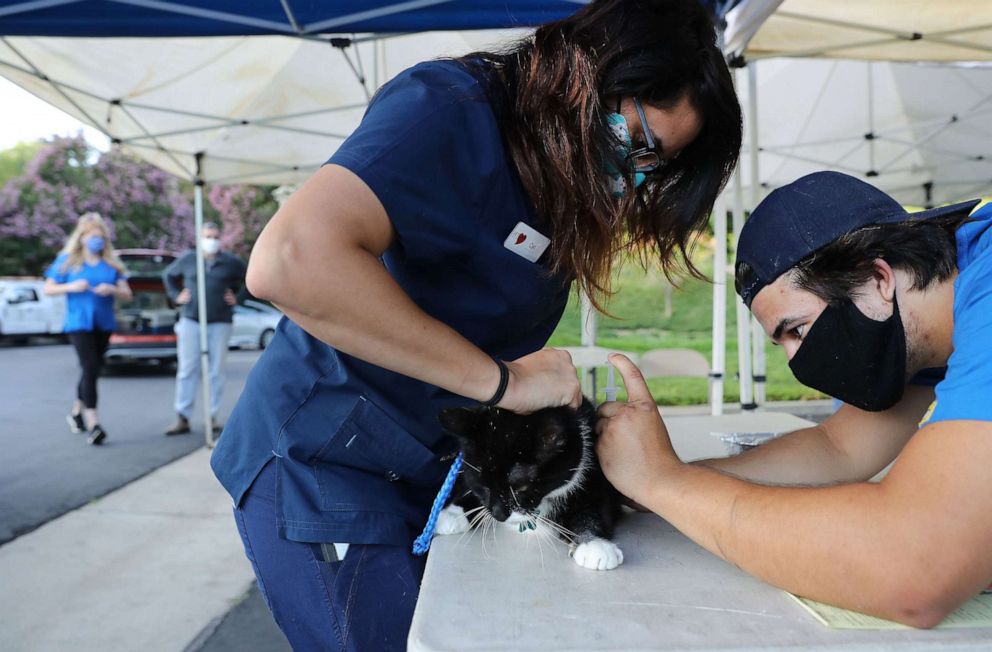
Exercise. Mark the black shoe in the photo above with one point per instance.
(75, 422)
(97, 435)
(217, 426)
(180, 427)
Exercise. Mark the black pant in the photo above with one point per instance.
(90, 347)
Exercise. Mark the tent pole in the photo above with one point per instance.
(589, 323)
(718, 360)
(201, 305)
(757, 334)
(871, 122)
(744, 370)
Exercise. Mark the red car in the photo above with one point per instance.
(145, 325)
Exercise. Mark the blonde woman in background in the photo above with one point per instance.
(91, 276)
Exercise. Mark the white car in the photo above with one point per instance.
(253, 325)
(25, 309)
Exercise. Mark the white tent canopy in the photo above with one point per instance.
(922, 133)
(258, 109)
(881, 30)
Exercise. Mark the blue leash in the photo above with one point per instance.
(423, 543)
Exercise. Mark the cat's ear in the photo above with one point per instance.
(462, 422)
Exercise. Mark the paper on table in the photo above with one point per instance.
(977, 612)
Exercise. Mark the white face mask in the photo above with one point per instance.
(210, 246)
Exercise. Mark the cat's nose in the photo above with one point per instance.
(499, 512)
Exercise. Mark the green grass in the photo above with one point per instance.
(639, 324)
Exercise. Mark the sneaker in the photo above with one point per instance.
(75, 422)
(217, 426)
(97, 435)
(180, 427)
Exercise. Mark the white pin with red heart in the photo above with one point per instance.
(526, 242)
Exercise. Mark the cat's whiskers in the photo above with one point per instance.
(560, 529)
(479, 514)
(471, 466)
(484, 526)
(540, 546)
(515, 501)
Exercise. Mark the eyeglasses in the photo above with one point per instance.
(647, 158)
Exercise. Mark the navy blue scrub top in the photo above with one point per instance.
(359, 447)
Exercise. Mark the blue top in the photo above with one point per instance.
(360, 447)
(86, 311)
(964, 392)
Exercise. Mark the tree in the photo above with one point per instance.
(15, 160)
(144, 206)
(66, 178)
(242, 212)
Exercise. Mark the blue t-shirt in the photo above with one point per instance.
(359, 448)
(965, 391)
(86, 311)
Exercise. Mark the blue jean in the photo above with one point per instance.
(362, 603)
(188, 372)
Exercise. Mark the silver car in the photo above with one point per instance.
(253, 325)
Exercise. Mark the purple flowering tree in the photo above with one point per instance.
(241, 211)
(145, 207)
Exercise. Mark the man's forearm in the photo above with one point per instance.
(842, 545)
(803, 457)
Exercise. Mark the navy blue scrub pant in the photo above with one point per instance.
(363, 603)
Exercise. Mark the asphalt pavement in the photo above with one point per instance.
(46, 470)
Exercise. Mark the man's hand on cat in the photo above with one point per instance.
(634, 449)
(545, 378)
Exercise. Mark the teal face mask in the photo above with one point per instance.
(618, 180)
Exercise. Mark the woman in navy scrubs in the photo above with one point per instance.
(427, 264)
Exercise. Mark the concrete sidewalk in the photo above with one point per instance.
(147, 567)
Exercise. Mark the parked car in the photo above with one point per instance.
(145, 324)
(254, 324)
(25, 310)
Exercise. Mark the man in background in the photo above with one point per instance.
(225, 277)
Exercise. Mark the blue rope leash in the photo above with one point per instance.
(423, 543)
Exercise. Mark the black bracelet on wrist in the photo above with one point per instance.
(504, 380)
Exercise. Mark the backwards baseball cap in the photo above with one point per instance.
(796, 220)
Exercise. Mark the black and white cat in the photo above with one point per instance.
(531, 471)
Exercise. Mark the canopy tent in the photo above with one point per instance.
(879, 30)
(923, 133)
(261, 109)
(269, 108)
(302, 18)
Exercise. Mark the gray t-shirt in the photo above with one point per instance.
(225, 272)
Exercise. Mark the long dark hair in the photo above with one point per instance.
(555, 86)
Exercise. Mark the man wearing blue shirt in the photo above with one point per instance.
(872, 305)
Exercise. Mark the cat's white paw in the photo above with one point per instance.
(598, 554)
(451, 520)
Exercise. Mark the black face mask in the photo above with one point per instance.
(854, 358)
